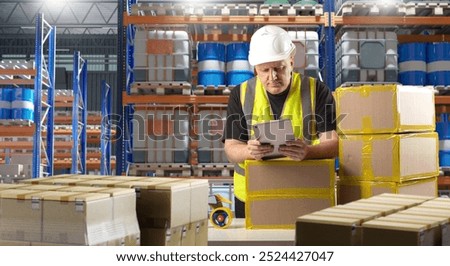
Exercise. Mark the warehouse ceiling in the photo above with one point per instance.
(69, 16)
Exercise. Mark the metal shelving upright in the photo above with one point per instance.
(45, 76)
(79, 111)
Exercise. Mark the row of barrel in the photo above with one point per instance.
(424, 63)
(17, 103)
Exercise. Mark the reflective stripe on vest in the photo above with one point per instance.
(299, 107)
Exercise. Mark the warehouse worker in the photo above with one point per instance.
(277, 92)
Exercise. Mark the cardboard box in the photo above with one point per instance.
(161, 236)
(201, 232)
(279, 191)
(98, 182)
(349, 190)
(388, 158)
(322, 230)
(199, 198)
(43, 187)
(4, 186)
(79, 219)
(382, 209)
(59, 181)
(394, 233)
(370, 109)
(14, 243)
(124, 214)
(442, 235)
(188, 235)
(20, 216)
(164, 203)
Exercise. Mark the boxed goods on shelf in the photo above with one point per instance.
(370, 109)
(349, 190)
(210, 130)
(278, 191)
(388, 157)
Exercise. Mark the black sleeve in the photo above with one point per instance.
(235, 125)
(325, 108)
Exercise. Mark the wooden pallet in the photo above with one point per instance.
(16, 122)
(154, 9)
(214, 169)
(371, 8)
(161, 88)
(291, 10)
(212, 90)
(165, 169)
(427, 9)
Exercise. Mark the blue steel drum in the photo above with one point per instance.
(5, 103)
(238, 67)
(211, 64)
(22, 106)
(412, 64)
(438, 64)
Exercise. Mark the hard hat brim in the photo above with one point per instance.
(255, 60)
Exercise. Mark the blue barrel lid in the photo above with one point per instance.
(210, 51)
(237, 51)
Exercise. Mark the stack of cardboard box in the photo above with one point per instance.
(387, 141)
(385, 219)
(278, 191)
(104, 210)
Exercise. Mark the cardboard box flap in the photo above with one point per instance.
(114, 192)
(363, 216)
(195, 182)
(172, 186)
(426, 213)
(61, 181)
(384, 209)
(393, 201)
(65, 176)
(395, 225)
(90, 177)
(55, 195)
(126, 178)
(352, 211)
(37, 180)
(4, 186)
(312, 218)
(417, 218)
(139, 184)
(45, 187)
(81, 189)
(88, 197)
(436, 204)
(428, 223)
(404, 196)
(427, 209)
(161, 179)
(444, 200)
(99, 183)
(20, 194)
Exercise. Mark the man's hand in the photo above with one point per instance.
(294, 149)
(258, 150)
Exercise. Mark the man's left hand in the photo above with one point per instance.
(295, 149)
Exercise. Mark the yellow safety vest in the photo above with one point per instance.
(299, 107)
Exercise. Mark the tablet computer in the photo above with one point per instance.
(276, 133)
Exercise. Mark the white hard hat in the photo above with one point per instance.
(269, 44)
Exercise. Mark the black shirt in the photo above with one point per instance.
(236, 125)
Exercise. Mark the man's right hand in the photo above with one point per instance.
(257, 150)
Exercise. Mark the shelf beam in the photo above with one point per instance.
(177, 20)
(174, 99)
(391, 20)
(442, 100)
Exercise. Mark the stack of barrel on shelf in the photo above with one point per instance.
(104, 210)
(382, 220)
(387, 141)
(16, 104)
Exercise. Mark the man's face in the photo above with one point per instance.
(275, 76)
